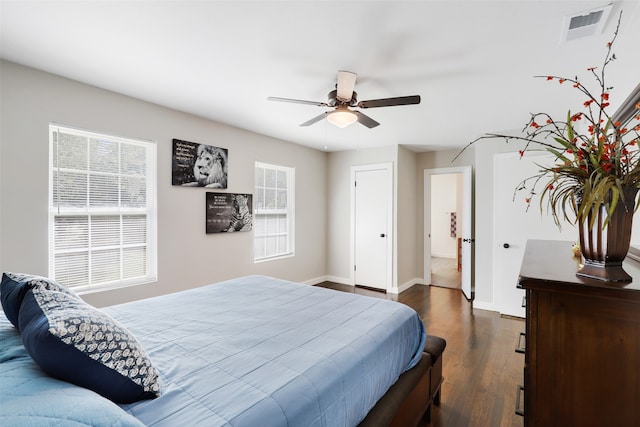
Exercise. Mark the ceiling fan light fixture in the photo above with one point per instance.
(342, 118)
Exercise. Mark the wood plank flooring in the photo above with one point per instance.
(480, 367)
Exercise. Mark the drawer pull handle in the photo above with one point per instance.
(520, 400)
(522, 343)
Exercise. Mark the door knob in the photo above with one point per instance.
(506, 246)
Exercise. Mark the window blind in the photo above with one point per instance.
(102, 211)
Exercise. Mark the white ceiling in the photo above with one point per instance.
(472, 62)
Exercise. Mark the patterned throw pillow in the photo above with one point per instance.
(75, 342)
(14, 286)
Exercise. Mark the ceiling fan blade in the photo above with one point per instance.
(346, 84)
(389, 102)
(366, 120)
(299, 101)
(315, 119)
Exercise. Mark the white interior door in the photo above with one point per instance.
(513, 226)
(464, 222)
(372, 225)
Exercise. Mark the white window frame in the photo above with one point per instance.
(150, 211)
(261, 211)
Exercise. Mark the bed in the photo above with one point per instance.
(244, 352)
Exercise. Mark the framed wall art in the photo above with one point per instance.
(199, 165)
(229, 212)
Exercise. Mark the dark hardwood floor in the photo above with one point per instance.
(480, 367)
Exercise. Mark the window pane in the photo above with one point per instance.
(282, 244)
(271, 246)
(134, 262)
(105, 266)
(282, 199)
(134, 192)
(134, 229)
(259, 198)
(134, 159)
(69, 189)
(71, 152)
(72, 269)
(103, 191)
(105, 231)
(282, 180)
(270, 178)
(272, 225)
(259, 225)
(103, 156)
(71, 233)
(270, 199)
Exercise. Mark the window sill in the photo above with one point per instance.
(257, 261)
(90, 289)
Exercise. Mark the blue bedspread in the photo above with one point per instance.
(258, 351)
(28, 397)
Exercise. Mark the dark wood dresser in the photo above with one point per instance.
(582, 355)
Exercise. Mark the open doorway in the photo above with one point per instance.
(446, 232)
(463, 224)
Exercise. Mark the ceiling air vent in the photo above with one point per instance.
(585, 24)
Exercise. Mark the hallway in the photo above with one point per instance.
(444, 272)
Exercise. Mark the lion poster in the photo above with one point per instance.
(199, 165)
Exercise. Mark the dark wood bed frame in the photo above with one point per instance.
(409, 400)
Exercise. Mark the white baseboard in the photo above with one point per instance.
(405, 286)
(483, 305)
(315, 281)
(442, 255)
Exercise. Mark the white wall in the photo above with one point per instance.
(480, 156)
(445, 159)
(187, 257)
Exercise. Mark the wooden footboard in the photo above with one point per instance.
(411, 397)
(407, 401)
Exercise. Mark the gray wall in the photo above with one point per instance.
(187, 257)
(339, 205)
(407, 240)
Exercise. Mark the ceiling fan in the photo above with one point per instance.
(344, 97)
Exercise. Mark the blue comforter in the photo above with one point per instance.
(28, 397)
(258, 351)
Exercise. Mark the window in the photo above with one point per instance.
(274, 212)
(102, 209)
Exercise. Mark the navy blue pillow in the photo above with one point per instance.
(75, 342)
(13, 288)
